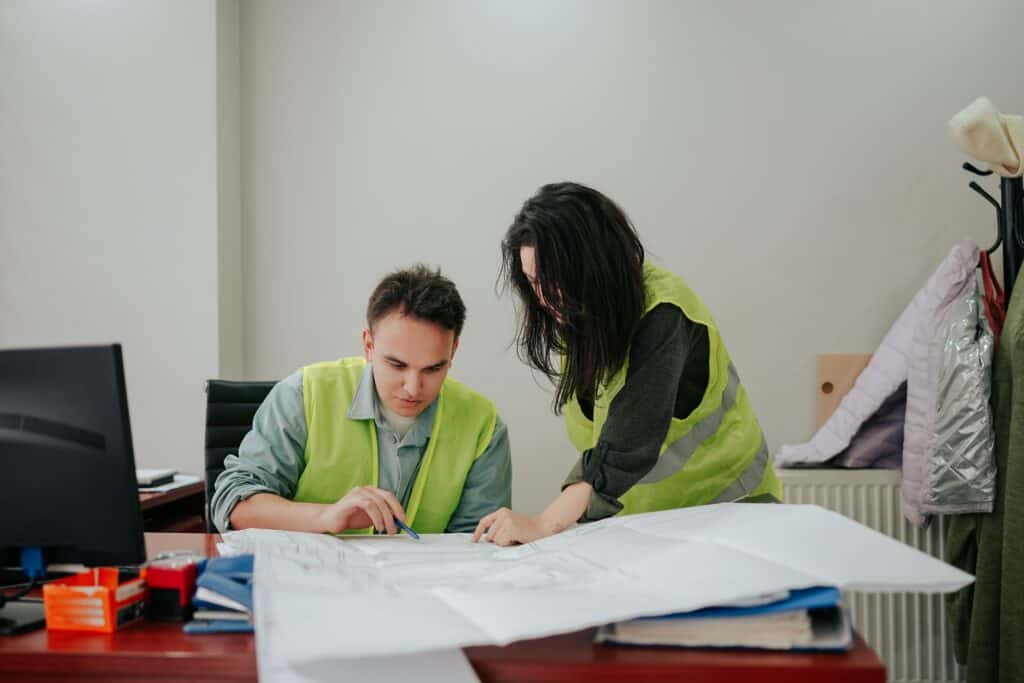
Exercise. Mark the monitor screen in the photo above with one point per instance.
(68, 482)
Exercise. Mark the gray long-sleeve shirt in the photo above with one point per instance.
(667, 377)
(271, 457)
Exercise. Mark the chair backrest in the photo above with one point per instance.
(230, 407)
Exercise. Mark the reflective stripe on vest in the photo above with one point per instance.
(674, 457)
(341, 453)
(752, 479)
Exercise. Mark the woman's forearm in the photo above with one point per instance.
(567, 508)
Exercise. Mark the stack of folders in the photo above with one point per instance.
(810, 619)
(223, 599)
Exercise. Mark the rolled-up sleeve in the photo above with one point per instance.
(488, 485)
(271, 457)
(640, 414)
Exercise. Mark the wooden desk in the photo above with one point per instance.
(151, 651)
(178, 510)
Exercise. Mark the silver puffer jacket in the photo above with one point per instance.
(949, 420)
(941, 346)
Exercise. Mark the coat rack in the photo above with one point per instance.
(1009, 222)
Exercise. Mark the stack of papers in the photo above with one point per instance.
(178, 481)
(154, 477)
(807, 619)
(223, 598)
(321, 600)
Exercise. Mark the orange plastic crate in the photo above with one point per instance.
(94, 601)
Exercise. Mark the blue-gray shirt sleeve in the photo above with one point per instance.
(488, 485)
(270, 458)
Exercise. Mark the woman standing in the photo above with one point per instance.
(650, 396)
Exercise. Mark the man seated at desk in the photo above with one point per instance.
(351, 444)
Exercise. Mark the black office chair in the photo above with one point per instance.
(230, 407)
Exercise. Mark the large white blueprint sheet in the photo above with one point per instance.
(319, 598)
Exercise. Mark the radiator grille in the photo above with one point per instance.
(908, 631)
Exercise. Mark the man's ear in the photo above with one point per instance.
(455, 346)
(367, 343)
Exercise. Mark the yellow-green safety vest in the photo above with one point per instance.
(341, 453)
(715, 454)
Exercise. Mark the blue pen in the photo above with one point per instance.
(404, 527)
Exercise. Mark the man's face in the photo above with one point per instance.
(410, 360)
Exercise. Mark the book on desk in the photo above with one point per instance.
(223, 599)
(811, 619)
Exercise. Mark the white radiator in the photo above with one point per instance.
(908, 631)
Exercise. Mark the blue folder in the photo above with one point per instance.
(227, 576)
(804, 598)
(230, 577)
(203, 626)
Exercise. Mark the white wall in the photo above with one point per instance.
(789, 159)
(108, 198)
(162, 187)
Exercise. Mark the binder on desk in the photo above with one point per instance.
(811, 619)
(223, 598)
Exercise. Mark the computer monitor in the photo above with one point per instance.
(68, 471)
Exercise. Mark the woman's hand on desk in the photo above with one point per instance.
(505, 527)
(360, 508)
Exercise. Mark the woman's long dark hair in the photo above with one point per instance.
(589, 268)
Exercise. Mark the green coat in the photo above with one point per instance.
(987, 617)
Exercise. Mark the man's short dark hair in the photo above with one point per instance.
(420, 292)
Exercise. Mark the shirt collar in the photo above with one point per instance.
(364, 403)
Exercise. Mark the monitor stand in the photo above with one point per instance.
(18, 617)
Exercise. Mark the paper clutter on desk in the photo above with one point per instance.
(154, 477)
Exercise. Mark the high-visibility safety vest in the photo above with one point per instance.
(341, 453)
(715, 454)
